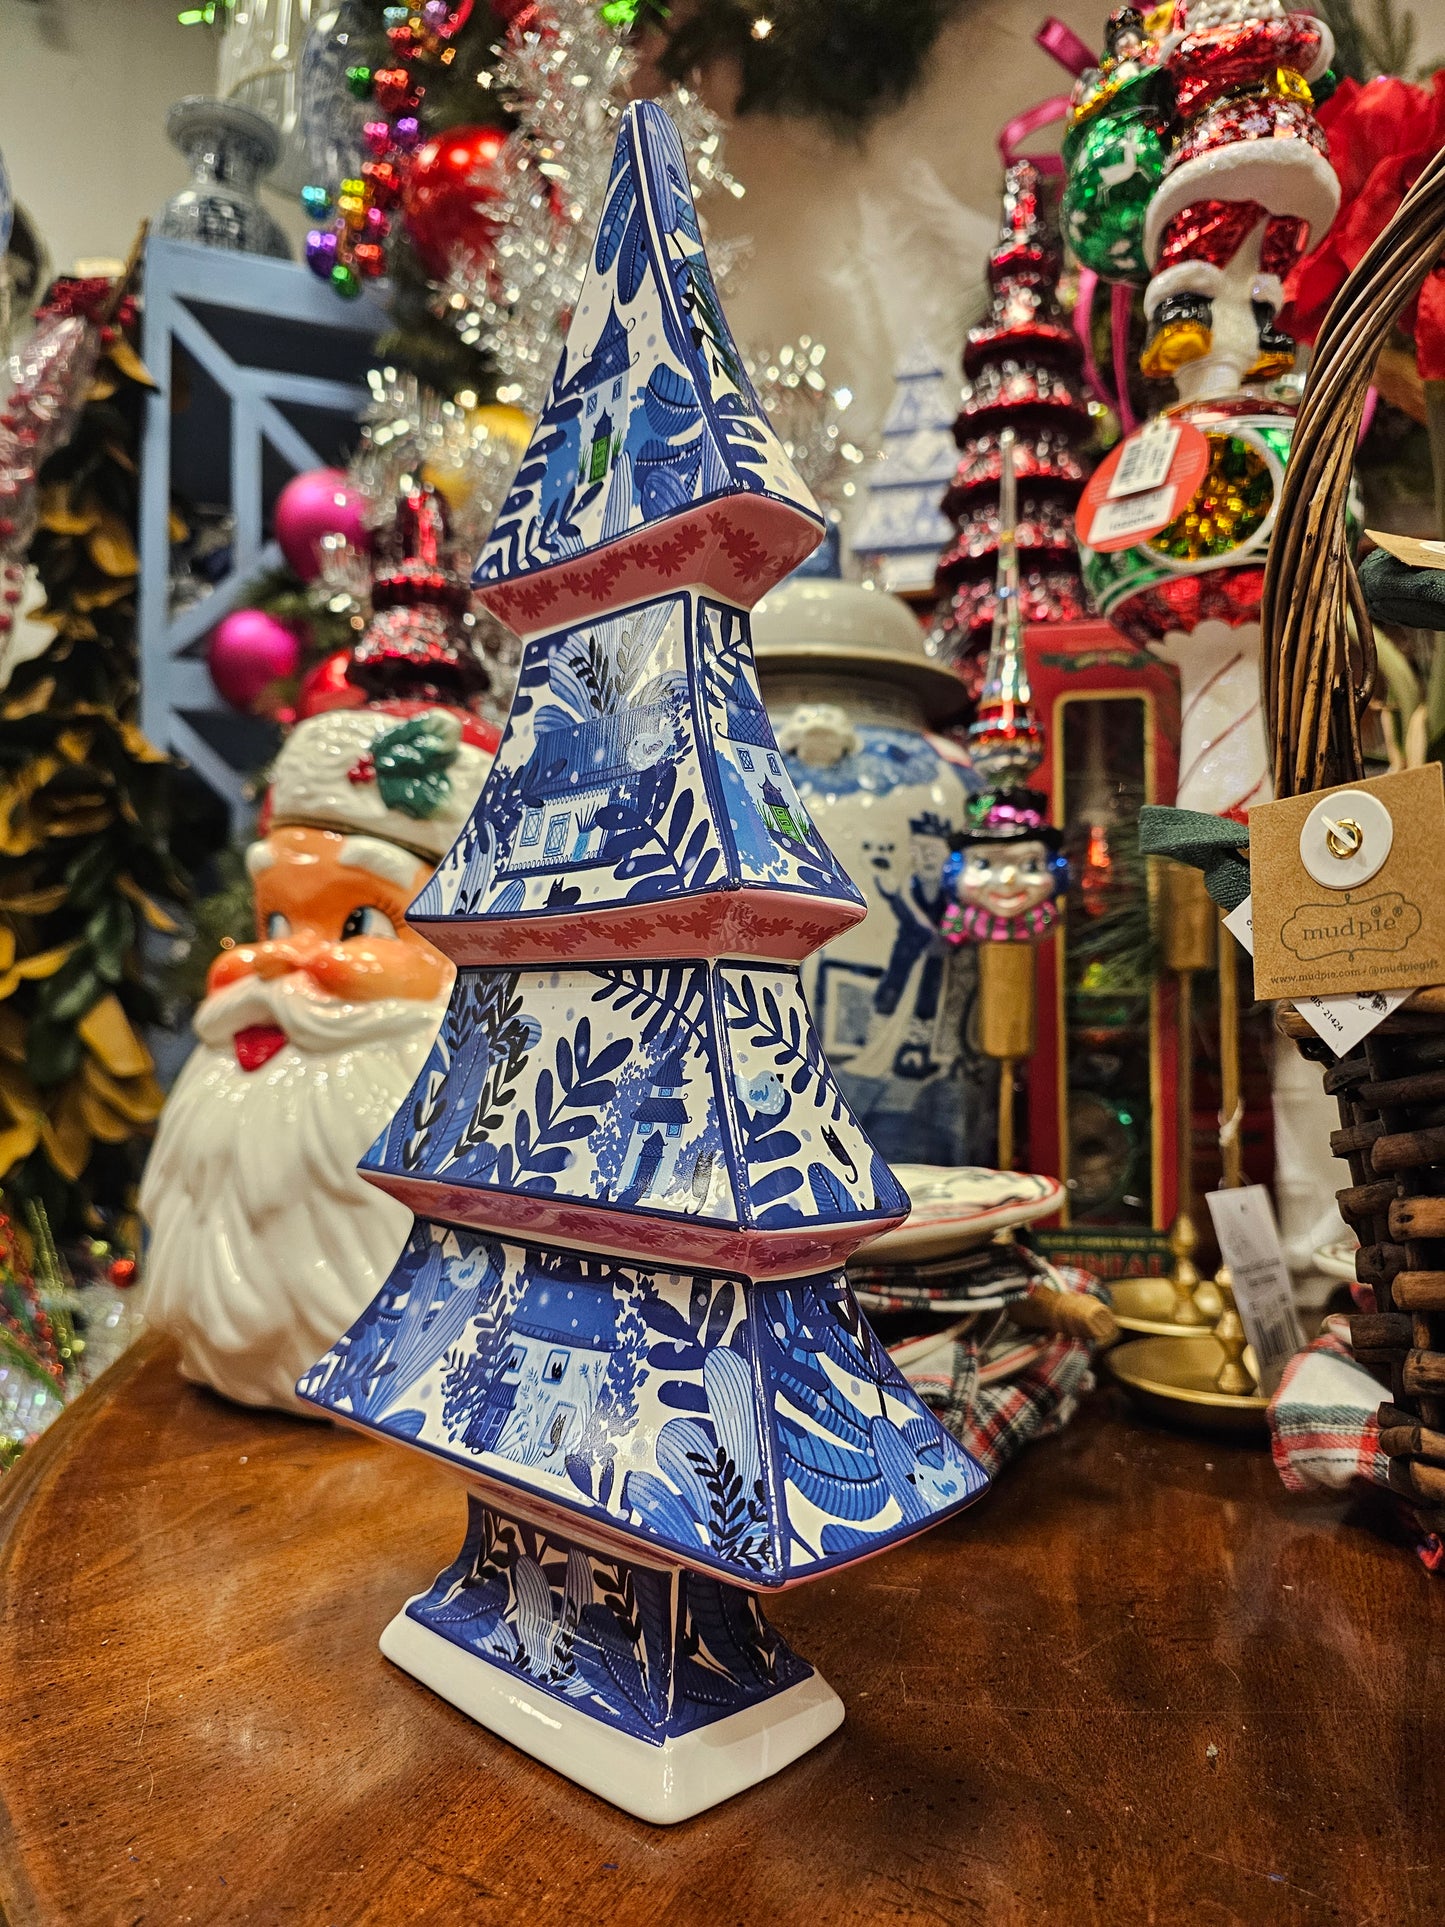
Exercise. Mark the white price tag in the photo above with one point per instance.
(1144, 460)
(1240, 925)
(1249, 1243)
(1138, 515)
(1340, 1021)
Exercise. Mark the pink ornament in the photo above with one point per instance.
(320, 502)
(248, 651)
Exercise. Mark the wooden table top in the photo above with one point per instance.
(1139, 1683)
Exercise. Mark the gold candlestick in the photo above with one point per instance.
(1180, 1303)
(1233, 1376)
(1006, 1025)
(1189, 945)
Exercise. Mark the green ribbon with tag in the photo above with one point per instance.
(1208, 843)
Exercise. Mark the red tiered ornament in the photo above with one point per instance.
(1022, 371)
(420, 641)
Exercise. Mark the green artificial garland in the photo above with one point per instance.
(844, 62)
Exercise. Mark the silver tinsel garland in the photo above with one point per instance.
(566, 82)
(807, 413)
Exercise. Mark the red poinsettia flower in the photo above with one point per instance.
(1381, 134)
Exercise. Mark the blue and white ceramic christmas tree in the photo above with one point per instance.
(622, 1313)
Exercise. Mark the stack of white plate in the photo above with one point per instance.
(954, 1253)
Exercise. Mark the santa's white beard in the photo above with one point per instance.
(265, 1243)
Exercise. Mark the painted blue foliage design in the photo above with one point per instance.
(655, 1655)
(638, 764)
(752, 1431)
(806, 1157)
(627, 439)
(849, 1448)
(682, 1090)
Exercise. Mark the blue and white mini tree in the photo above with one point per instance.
(622, 1313)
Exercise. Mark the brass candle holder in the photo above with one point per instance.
(1006, 975)
(1184, 1380)
(1204, 1379)
(1182, 1304)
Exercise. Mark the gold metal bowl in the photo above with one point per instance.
(1172, 1378)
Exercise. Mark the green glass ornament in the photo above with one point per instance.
(358, 79)
(1115, 161)
(345, 280)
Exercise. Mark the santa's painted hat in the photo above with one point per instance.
(406, 771)
(409, 764)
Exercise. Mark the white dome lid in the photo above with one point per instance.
(818, 622)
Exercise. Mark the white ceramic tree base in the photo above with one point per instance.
(659, 1783)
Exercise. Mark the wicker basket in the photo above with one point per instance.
(1318, 679)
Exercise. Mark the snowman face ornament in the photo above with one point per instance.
(1007, 879)
(1006, 874)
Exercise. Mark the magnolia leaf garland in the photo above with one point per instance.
(85, 863)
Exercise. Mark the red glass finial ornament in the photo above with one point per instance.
(1005, 742)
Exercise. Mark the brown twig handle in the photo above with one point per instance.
(1318, 680)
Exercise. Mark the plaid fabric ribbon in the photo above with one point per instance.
(998, 1393)
(1324, 1432)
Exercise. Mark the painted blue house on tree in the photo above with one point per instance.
(540, 1404)
(575, 771)
(600, 386)
(659, 1121)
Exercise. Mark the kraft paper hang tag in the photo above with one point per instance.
(1406, 548)
(1340, 1021)
(1249, 1244)
(1349, 888)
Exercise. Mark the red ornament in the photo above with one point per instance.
(451, 183)
(391, 89)
(328, 687)
(122, 1272)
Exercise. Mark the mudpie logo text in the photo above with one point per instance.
(1318, 930)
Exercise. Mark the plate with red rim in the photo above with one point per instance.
(955, 1206)
(1337, 1260)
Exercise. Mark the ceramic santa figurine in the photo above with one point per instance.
(265, 1244)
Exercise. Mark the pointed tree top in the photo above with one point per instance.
(653, 463)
